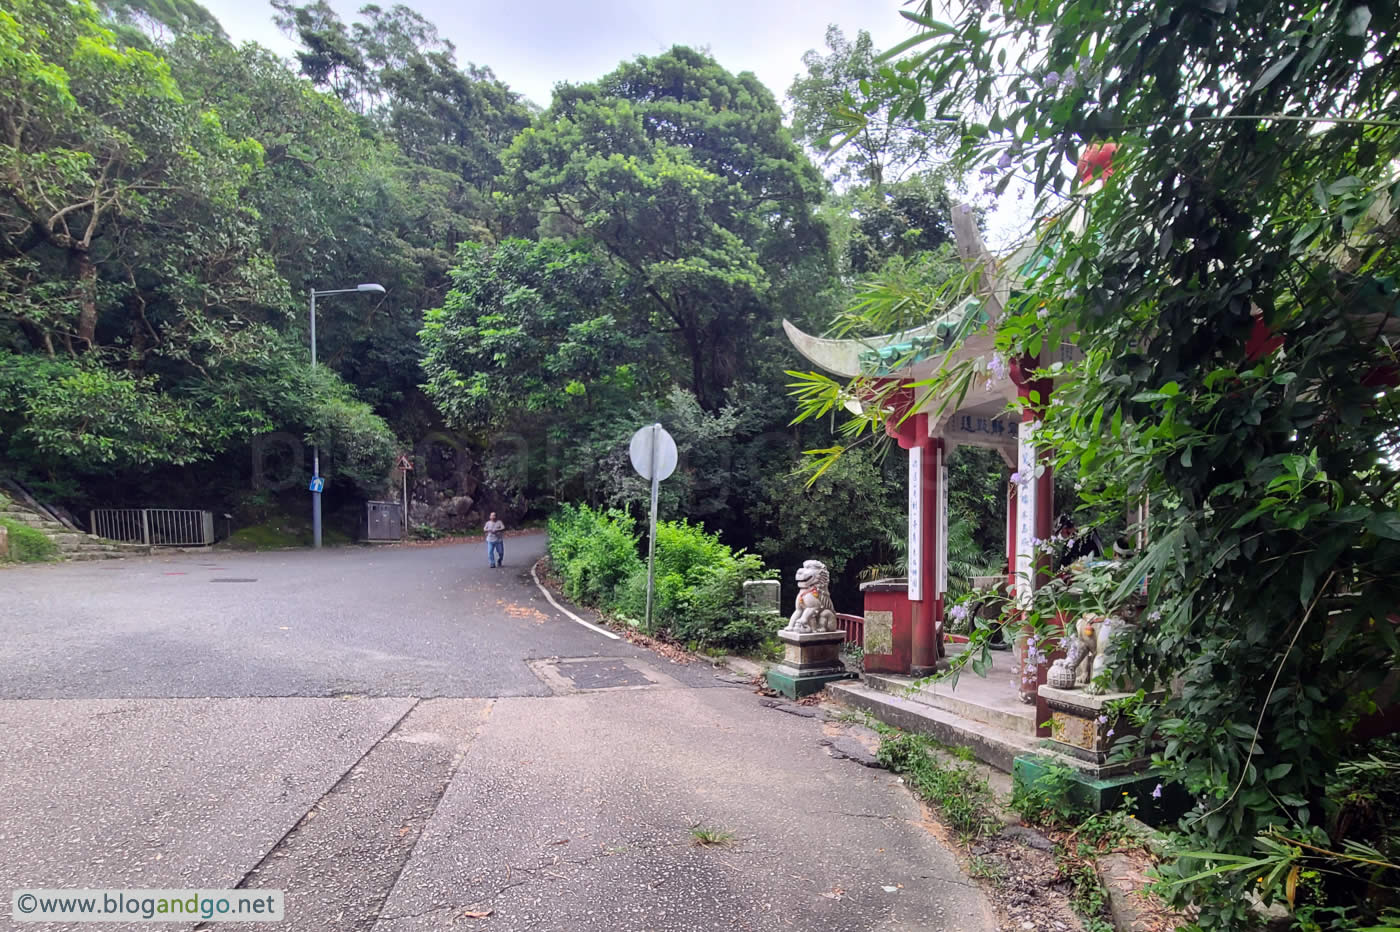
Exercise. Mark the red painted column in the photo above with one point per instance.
(925, 610)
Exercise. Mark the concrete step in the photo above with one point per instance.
(992, 745)
(991, 700)
(73, 545)
(27, 517)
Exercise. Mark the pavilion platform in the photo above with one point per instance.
(981, 713)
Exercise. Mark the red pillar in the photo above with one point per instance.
(925, 611)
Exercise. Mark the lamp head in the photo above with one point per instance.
(372, 287)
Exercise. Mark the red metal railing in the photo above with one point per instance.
(854, 626)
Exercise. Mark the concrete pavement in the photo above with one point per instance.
(403, 739)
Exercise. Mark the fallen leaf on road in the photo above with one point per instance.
(562, 841)
(476, 914)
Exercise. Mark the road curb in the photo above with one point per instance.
(587, 624)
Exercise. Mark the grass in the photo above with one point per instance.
(963, 797)
(282, 534)
(705, 837)
(983, 868)
(27, 545)
(1089, 899)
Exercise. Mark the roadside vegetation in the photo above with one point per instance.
(698, 597)
(27, 545)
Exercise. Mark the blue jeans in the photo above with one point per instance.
(495, 552)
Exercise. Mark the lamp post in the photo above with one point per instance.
(316, 483)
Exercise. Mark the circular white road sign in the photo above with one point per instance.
(640, 449)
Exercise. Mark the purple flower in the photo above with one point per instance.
(997, 367)
(1004, 162)
(1103, 719)
(959, 612)
(1067, 77)
(1052, 81)
(1155, 616)
(1157, 793)
(1110, 733)
(1030, 642)
(1016, 477)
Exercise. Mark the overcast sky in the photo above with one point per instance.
(534, 45)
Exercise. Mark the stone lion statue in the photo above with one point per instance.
(813, 611)
(1089, 654)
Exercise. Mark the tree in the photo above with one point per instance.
(148, 323)
(139, 22)
(902, 220)
(1221, 181)
(451, 123)
(885, 146)
(529, 330)
(684, 174)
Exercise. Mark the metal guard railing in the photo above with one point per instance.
(154, 527)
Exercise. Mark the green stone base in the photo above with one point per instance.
(1105, 793)
(795, 687)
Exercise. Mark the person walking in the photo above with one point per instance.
(495, 541)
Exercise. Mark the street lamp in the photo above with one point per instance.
(316, 483)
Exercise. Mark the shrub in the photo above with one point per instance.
(698, 591)
(28, 545)
(594, 552)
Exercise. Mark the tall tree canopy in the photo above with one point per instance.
(687, 178)
(886, 144)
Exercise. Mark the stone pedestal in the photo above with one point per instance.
(4, 542)
(1079, 729)
(1080, 724)
(811, 659)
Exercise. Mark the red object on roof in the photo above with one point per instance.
(1097, 161)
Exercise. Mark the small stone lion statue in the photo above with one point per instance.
(1089, 654)
(1076, 668)
(813, 611)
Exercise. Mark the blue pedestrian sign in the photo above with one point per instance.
(317, 484)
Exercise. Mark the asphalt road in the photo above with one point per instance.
(403, 739)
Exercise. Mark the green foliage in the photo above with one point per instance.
(854, 504)
(1088, 898)
(684, 175)
(27, 544)
(698, 592)
(1050, 799)
(283, 532)
(1231, 288)
(594, 552)
(963, 798)
(144, 320)
(886, 146)
(528, 330)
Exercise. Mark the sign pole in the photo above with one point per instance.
(651, 541)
